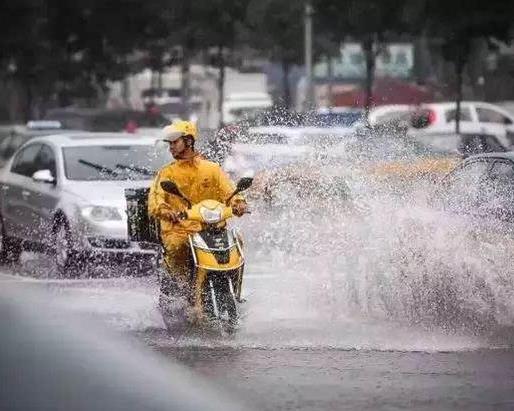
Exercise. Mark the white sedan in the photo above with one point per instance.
(475, 117)
(65, 193)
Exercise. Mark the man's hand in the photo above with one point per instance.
(239, 208)
(170, 215)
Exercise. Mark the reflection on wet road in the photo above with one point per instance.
(303, 360)
(324, 379)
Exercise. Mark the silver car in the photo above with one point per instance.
(65, 193)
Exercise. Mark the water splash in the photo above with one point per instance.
(371, 267)
(393, 257)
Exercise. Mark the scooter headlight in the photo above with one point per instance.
(211, 216)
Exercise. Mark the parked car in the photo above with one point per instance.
(334, 117)
(464, 144)
(478, 198)
(303, 182)
(65, 193)
(392, 155)
(380, 156)
(482, 186)
(11, 138)
(390, 113)
(261, 148)
(238, 106)
(271, 117)
(475, 117)
(103, 120)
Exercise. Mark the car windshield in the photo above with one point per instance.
(115, 162)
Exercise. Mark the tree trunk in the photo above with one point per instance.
(125, 92)
(459, 67)
(221, 85)
(285, 84)
(369, 55)
(159, 80)
(27, 112)
(330, 75)
(11, 99)
(458, 50)
(186, 80)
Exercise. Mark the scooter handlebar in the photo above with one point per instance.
(184, 215)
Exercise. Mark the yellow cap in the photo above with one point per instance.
(178, 129)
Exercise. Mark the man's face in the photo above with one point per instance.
(178, 148)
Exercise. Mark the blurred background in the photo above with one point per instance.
(221, 60)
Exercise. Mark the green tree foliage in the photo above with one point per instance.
(277, 28)
(74, 48)
(68, 49)
(221, 24)
(369, 22)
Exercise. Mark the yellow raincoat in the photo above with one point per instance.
(198, 180)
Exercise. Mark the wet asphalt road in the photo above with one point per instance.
(284, 358)
(324, 379)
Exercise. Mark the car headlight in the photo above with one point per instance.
(211, 216)
(101, 213)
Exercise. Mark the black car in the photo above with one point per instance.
(482, 187)
(464, 144)
(106, 120)
(12, 138)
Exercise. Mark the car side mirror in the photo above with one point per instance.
(172, 188)
(244, 184)
(43, 176)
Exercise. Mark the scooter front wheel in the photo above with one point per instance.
(221, 304)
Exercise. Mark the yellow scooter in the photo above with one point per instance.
(217, 258)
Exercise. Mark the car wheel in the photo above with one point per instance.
(66, 260)
(10, 249)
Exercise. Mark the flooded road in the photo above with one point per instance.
(317, 335)
(324, 379)
(300, 360)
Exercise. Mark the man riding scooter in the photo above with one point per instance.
(198, 180)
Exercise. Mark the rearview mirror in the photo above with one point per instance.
(244, 184)
(43, 176)
(171, 187)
